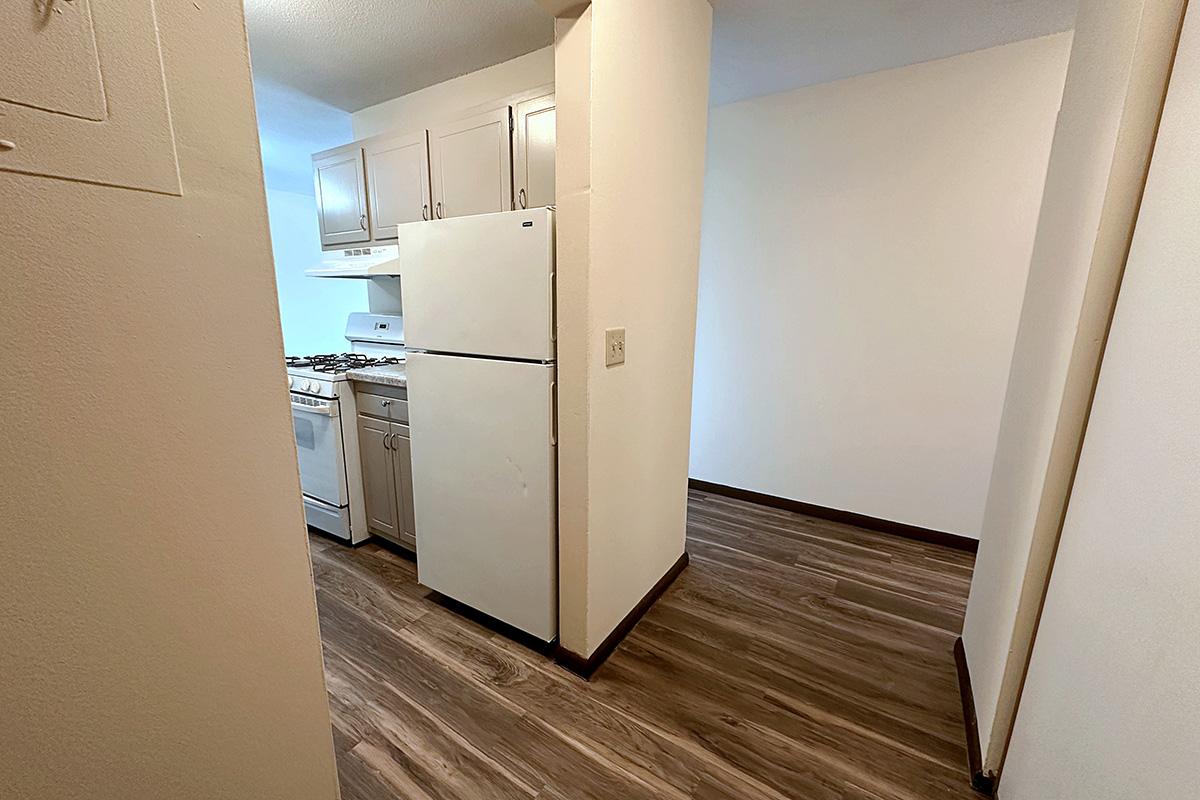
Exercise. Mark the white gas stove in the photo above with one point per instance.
(321, 375)
(324, 416)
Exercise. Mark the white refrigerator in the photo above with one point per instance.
(478, 296)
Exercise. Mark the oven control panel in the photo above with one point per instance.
(313, 386)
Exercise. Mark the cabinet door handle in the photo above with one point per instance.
(362, 221)
(521, 197)
(385, 403)
(387, 438)
(439, 209)
(425, 211)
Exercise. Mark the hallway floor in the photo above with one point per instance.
(794, 658)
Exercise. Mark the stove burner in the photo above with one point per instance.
(337, 363)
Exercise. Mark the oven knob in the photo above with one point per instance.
(313, 386)
(291, 380)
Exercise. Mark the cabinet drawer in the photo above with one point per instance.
(379, 406)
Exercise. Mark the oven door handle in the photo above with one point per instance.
(325, 410)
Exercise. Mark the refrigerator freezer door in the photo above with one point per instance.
(483, 465)
(480, 285)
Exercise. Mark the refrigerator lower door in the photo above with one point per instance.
(483, 463)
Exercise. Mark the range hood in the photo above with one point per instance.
(358, 262)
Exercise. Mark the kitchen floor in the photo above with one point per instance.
(794, 658)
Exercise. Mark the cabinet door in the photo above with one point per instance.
(471, 165)
(533, 152)
(379, 484)
(341, 196)
(402, 459)
(397, 182)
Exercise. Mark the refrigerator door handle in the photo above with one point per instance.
(553, 413)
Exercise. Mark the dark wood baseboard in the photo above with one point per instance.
(586, 666)
(984, 783)
(957, 541)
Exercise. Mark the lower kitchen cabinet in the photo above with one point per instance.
(387, 479)
(402, 462)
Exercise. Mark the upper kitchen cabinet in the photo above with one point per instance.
(471, 165)
(533, 152)
(341, 187)
(397, 182)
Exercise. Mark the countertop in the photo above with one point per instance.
(390, 375)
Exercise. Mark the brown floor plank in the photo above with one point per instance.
(369, 594)
(561, 700)
(795, 657)
(433, 759)
(794, 749)
(359, 781)
(499, 732)
(869, 702)
(901, 605)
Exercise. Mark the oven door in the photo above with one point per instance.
(319, 449)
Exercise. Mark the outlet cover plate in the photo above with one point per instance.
(614, 347)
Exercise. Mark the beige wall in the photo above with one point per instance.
(1111, 707)
(572, 194)
(450, 98)
(630, 195)
(1110, 106)
(158, 631)
(864, 254)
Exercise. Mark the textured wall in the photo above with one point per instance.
(158, 632)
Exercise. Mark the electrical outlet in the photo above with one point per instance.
(614, 347)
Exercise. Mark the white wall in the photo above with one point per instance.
(865, 248)
(312, 311)
(158, 629)
(448, 99)
(1111, 707)
(1114, 88)
(292, 127)
(630, 181)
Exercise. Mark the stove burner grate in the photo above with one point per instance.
(337, 363)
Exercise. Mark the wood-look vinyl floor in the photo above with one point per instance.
(794, 658)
